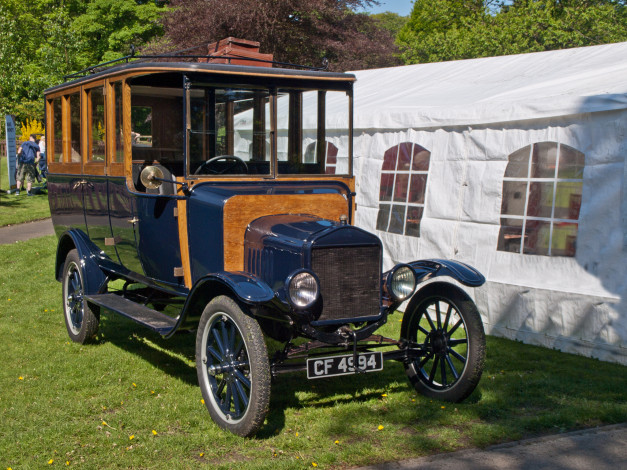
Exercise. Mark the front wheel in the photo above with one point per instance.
(445, 324)
(232, 366)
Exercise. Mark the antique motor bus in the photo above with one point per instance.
(219, 198)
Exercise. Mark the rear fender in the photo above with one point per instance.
(93, 277)
(429, 268)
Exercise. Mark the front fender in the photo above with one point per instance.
(426, 269)
(93, 277)
(246, 288)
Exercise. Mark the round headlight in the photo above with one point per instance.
(303, 289)
(403, 282)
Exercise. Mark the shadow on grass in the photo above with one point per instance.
(525, 391)
(172, 356)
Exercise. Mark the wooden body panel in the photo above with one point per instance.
(240, 210)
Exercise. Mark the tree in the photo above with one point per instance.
(296, 31)
(455, 29)
(393, 22)
(43, 40)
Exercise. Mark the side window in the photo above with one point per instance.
(542, 190)
(96, 126)
(402, 190)
(119, 127)
(57, 130)
(75, 127)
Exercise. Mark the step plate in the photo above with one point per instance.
(145, 316)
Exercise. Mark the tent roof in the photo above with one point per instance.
(493, 89)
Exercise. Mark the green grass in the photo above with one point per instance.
(19, 209)
(65, 402)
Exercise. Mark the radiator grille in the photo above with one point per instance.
(349, 281)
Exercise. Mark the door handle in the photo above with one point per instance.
(133, 221)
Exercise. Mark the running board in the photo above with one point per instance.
(156, 321)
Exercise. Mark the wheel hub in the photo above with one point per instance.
(439, 342)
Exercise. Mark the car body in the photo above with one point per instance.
(220, 198)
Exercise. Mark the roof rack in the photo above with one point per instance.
(178, 55)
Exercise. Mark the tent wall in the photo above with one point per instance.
(575, 304)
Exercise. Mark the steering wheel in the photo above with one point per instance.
(204, 166)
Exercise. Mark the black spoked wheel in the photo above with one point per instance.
(233, 368)
(81, 319)
(444, 322)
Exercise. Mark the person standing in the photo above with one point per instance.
(43, 167)
(27, 156)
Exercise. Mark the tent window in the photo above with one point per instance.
(542, 191)
(402, 190)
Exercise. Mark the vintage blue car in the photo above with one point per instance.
(219, 198)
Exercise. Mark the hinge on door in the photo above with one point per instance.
(176, 212)
(178, 272)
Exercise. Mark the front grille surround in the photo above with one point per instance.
(350, 282)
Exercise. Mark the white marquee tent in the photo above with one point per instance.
(515, 165)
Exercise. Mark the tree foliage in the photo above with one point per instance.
(456, 29)
(43, 40)
(296, 31)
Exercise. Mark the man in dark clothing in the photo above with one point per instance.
(27, 156)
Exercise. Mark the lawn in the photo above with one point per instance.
(18, 209)
(131, 399)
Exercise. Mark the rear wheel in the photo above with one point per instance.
(81, 319)
(444, 322)
(232, 366)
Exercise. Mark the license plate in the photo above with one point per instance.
(343, 365)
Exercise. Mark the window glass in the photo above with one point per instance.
(57, 122)
(119, 127)
(312, 132)
(542, 191)
(403, 181)
(75, 127)
(96, 137)
(230, 131)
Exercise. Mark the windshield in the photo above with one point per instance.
(244, 130)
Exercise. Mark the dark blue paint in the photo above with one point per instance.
(158, 238)
(94, 278)
(429, 268)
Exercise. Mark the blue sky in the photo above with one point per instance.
(402, 7)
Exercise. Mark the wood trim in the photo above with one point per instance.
(94, 168)
(181, 206)
(241, 210)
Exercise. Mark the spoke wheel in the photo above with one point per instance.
(81, 319)
(444, 322)
(233, 368)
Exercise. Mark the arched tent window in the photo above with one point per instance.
(330, 159)
(403, 187)
(541, 200)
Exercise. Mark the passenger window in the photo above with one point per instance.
(75, 127)
(96, 126)
(57, 130)
(119, 127)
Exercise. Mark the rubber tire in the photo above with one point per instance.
(223, 311)
(84, 326)
(468, 380)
